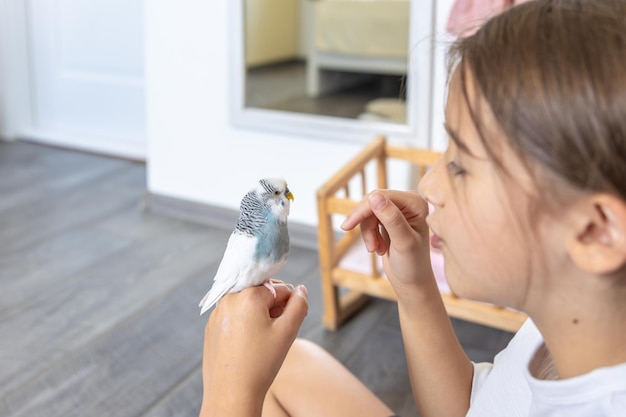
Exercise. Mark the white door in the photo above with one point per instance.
(87, 74)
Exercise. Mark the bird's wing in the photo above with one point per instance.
(237, 257)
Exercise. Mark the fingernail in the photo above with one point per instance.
(377, 201)
(345, 221)
(302, 291)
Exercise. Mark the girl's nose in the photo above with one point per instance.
(430, 186)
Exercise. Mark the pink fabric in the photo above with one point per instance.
(466, 16)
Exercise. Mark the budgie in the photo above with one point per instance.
(258, 247)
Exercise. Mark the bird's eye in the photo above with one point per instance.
(276, 192)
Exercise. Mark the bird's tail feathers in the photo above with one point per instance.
(212, 297)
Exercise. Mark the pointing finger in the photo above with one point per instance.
(396, 225)
(361, 212)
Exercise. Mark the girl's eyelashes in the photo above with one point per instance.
(455, 169)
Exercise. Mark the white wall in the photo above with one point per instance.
(194, 151)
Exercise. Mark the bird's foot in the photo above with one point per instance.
(281, 282)
(269, 284)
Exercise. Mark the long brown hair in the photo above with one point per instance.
(553, 73)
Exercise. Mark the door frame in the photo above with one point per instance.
(15, 87)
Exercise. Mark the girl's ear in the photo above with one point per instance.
(598, 245)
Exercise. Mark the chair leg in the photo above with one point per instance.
(331, 317)
(351, 303)
(338, 309)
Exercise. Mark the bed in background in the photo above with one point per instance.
(364, 36)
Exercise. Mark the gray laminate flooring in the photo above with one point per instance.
(98, 298)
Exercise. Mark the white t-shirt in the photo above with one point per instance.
(506, 387)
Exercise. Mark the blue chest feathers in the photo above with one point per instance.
(273, 242)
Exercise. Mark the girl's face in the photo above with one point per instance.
(479, 219)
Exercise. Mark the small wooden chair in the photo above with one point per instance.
(348, 284)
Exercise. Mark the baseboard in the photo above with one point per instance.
(127, 148)
(301, 235)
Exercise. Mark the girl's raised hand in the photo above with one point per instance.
(393, 224)
(246, 340)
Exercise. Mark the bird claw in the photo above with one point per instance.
(281, 282)
(270, 286)
(271, 283)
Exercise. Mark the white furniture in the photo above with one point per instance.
(364, 36)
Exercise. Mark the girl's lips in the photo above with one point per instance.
(435, 241)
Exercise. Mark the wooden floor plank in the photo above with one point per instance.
(42, 267)
(386, 375)
(124, 370)
(47, 176)
(28, 224)
(92, 302)
(181, 401)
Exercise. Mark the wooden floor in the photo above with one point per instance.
(98, 298)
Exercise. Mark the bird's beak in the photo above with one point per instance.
(288, 194)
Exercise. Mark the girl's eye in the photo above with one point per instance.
(455, 169)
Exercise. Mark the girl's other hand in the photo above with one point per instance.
(246, 340)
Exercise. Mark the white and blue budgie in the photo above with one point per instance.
(258, 246)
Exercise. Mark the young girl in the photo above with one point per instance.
(529, 212)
